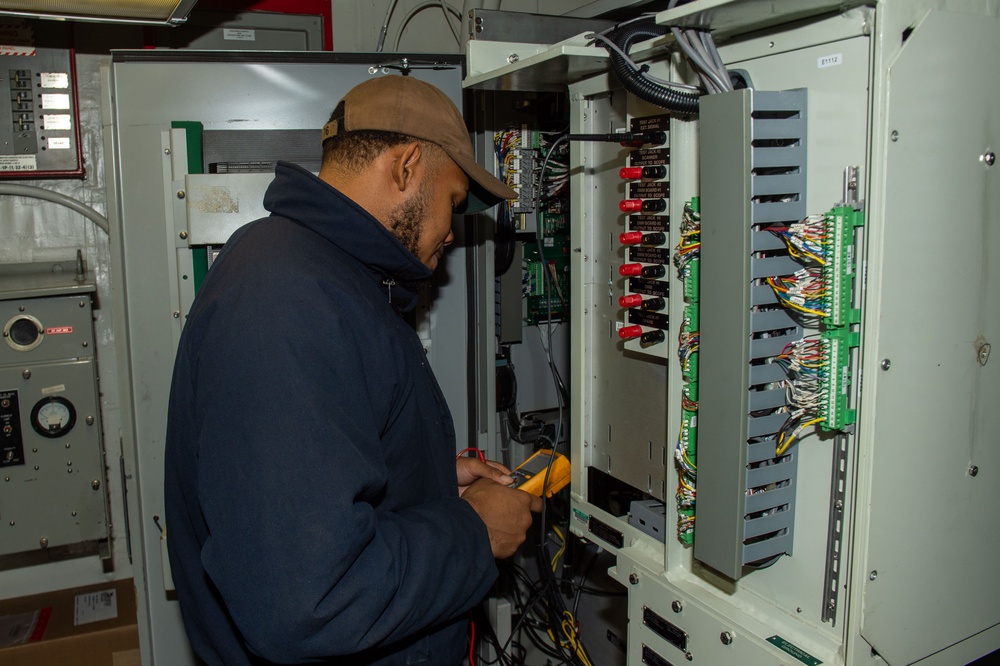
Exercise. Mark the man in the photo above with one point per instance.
(315, 507)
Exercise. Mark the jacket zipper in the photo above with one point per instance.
(389, 284)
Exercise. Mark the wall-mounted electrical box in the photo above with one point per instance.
(52, 471)
(39, 126)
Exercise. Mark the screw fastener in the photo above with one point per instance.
(873, 575)
(677, 606)
(885, 364)
(974, 470)
(633, 578)
(989, 158)
(726, 637)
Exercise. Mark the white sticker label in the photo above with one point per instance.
(18, 163)
(57, 121)
(58, 143)
(830, 60)
(54, 79)
(619, 325)
(95, 606)
(55, 101)
(239, 35)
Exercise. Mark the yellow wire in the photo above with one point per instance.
(783, 444)
(562, 549)
(569, 630)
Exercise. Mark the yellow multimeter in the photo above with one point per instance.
(531, 474)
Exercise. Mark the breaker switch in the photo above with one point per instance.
(630, 332)
(630, 205)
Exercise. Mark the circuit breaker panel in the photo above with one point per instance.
(743, 438)
(52, 484)
(39, 127)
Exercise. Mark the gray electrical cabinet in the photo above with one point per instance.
(745, 533)
(53, 497)
(194, 137)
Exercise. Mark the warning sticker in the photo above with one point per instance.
(17, 40)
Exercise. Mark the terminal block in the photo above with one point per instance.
(839, 268)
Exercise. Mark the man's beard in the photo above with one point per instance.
(405, 221)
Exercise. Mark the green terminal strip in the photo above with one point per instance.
(687, 444)
(839, 273)
(839, 269)
(836, 382)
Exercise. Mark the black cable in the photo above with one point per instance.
(632, 78)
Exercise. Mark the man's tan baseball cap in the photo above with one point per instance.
(408, 106)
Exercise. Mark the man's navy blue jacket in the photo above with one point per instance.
(312, 506)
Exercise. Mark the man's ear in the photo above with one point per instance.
(407, 165)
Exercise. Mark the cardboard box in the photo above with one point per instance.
(84, 626)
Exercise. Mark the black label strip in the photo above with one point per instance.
(657, 189)
(649, 223)
(651, 319)
(649, 255)
(646, 287)
(649, 157)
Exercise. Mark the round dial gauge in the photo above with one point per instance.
(53, 416)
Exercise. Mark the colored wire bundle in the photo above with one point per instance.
(689, 247)
(805, 291)
(556, 176)
(805, 363)
(506, 144)
(806, 240)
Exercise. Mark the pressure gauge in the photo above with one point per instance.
(53, 416)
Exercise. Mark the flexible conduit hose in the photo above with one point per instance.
(632, 79)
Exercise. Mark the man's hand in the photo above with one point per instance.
(506, 512)
(470, 469)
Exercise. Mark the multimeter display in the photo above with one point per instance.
(531, 475)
